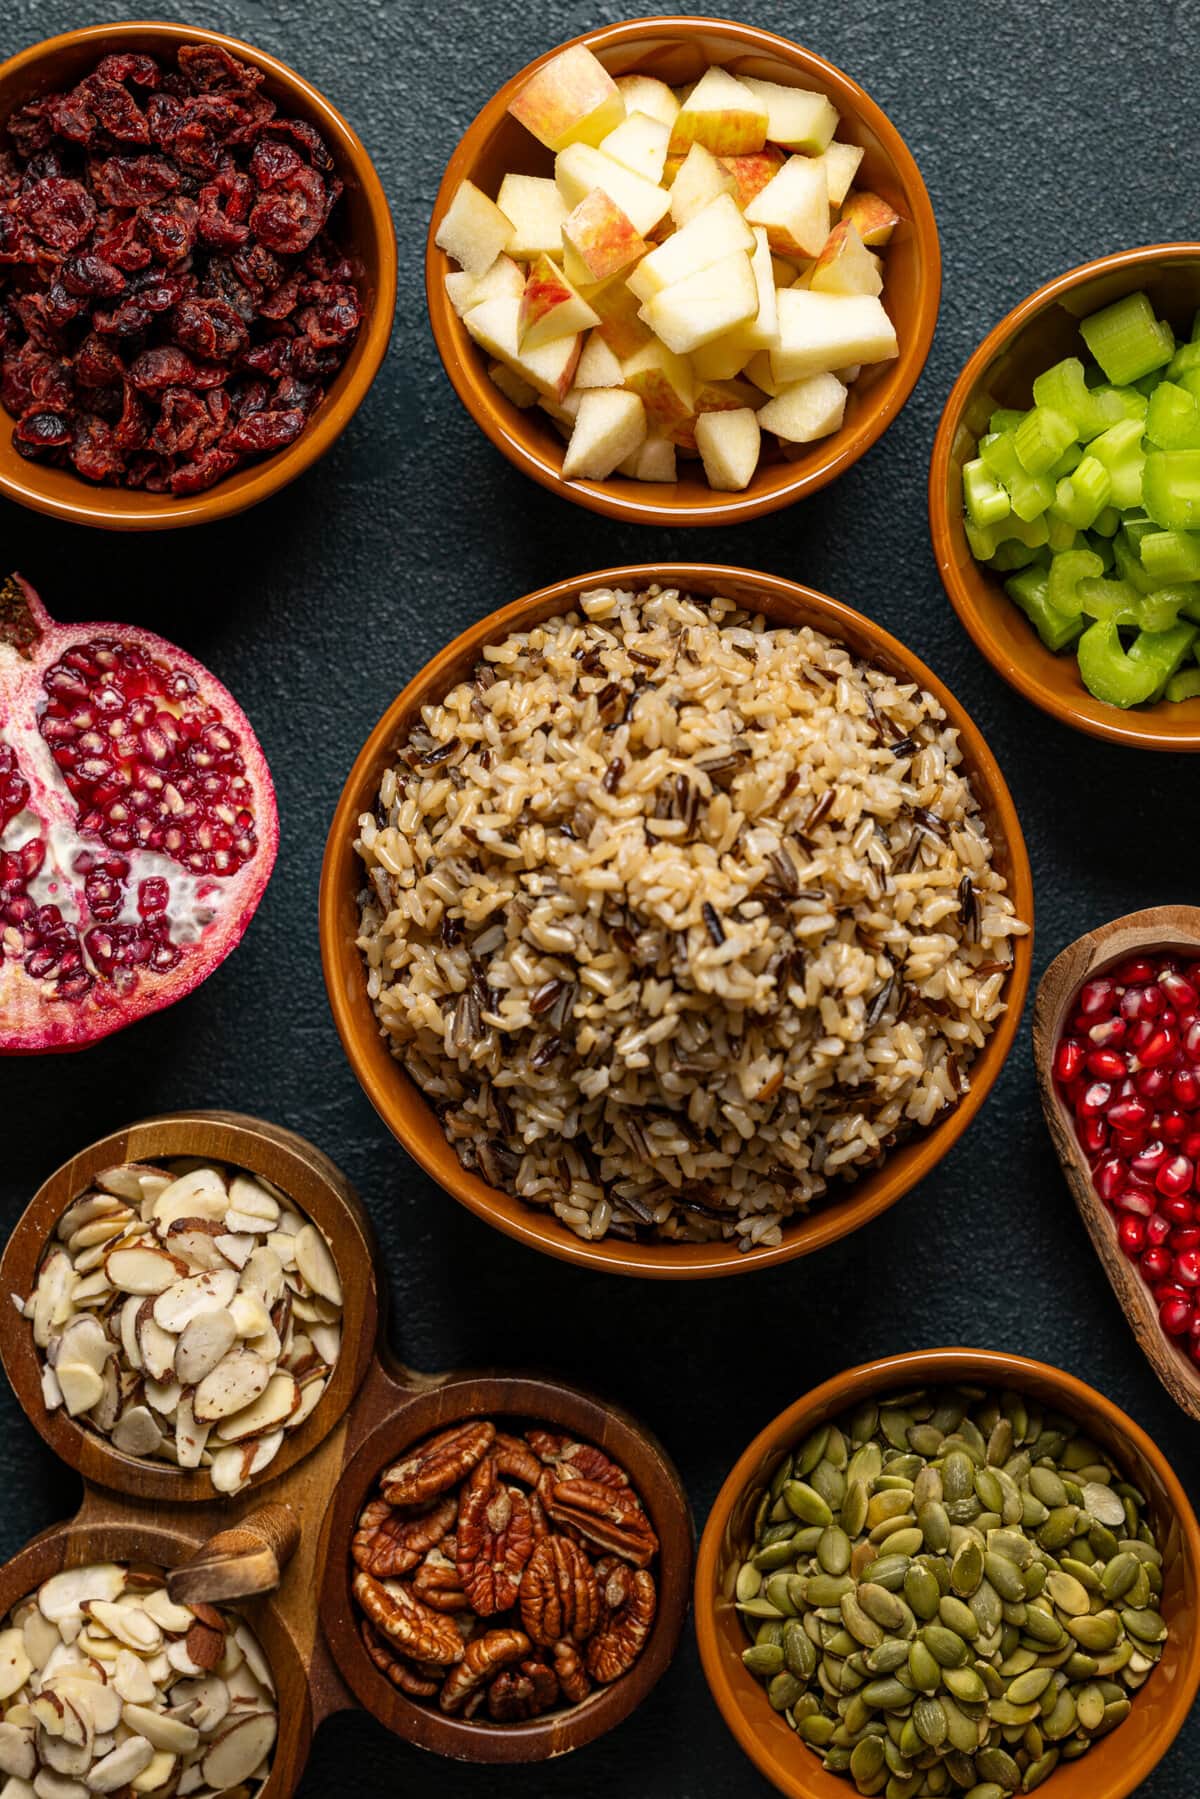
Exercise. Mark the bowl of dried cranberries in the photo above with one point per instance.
(197, 276)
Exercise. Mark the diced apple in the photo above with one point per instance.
(840, 162)
(729, 443)
(699, 180)
(473, 229)
(764, 332)
(609, 426)
(845, 265)
(717, 396)
(696, 310)
(874, 218)
(496, 325)
(796, 118)
(805, 410)
(726, 356)
(550, 307)
(653, 460)
(758, 370)
(794, 207)
(572, 99)
(514, 387)
(751, 173)
(722, 114)
(664, 383)
(849, 375)
(598, 367)
(712, 234)
(642, 93)
(534, 206)
(639, 143)
(822, 332)
(600, 238)
(621, 325)
(783, 269)
(459, 289)
(580, 168)
(504, 278)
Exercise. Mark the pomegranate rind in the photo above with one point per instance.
(31, 1023)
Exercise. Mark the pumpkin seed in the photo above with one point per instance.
(922, 1591)
(1005, 1576)
(997, 1765)
(1147, 1627)
(958, 1617)
(833, 1550)
(806, 1503)
(764, 1659)
(1068, 1594)
(783, 1691)
(867, 1760)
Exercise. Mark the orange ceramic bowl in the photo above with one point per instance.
(678, 50)
(1041, 331)
(362, 223)
(410, 1117)
(1118, 1763)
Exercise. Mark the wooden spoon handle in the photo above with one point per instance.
(249, 1558)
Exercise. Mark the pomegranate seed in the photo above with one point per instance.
(1191, 1042)
(1156, 1262)
(1133, 973)
(1130, 1200)
(1185, 1088)
(1158, 1229)
(1142, 1003)
(1140, 1035)
(1127, 1143)
(1109, 1178)
(1161, 1047)
(1175, 1315)
(1093, 1134)
(1182, 995)
(1106, 1065)
(1174, 1177)
(1177, 1210)
(1174, 1127)
(1129, 1114)
(1186, 1268)
(1152, 1083)
(1171, 1290)
(1146, 1162)
(1191, 1145)
(1095, 1099)
(1186, 1237)
(1110, 1033)
(1097, 999)
(1068, 1060)
(1131, 1235)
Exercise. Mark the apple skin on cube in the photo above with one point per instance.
(640, 144)
(473, 230)
(716, 232)
(840, 162)
(496, 326)
(534, 207)
(874, 219)
(751, 173)
(845, 265)
(572, 99)
(600, 238)
(598, 367)
(653, 460)
(696, 310)
(794, 207)
(796, 118)
(505, 279)
(718, 396)
(580, 168)
(822, 332)
(805, 410)
(609, 426)
(644, 93)
(722, 114)
(514, 387)
(729, 444)
(664, 383)
(550, 307)
(621, 325)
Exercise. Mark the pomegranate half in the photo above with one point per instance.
(138, 826)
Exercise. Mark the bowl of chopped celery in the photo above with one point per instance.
(1064, 497)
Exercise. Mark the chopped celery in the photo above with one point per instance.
(1081, 496)
(1171, 555)
(1120, 450)
(987, 502)
(1067, 570)
(1013, 555)
(1112, 404)
(1059, 535)
(1173, 419)
(1146, 385)
(1099, 546)
(1137, 525)
(1068, 462)
(1041, 438)
(1185, 685)
(1129, 565)
(1185, 359)
(1190, 382)
(1030, 494)
(1004, 419)
(1160, 610)
(1112, 600)
(1167, 650)
(1108, 522)
(1123, 677)
(1029, 590)
(1127, 340)
(1171, 489)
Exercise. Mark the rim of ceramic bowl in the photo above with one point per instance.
(468, 375)
(116, 509)
(1139, 727)
(948, 1366)
(408, 1114)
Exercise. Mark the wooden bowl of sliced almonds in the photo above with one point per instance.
(176, 1283)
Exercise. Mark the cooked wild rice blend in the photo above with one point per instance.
(675, 917)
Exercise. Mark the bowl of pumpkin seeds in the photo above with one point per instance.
(955, 1573)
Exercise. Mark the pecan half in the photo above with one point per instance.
(483, 1657)
(495, 1540)
(386, 1543)
(559, 1595)
(438, 1465)
(522, 1693)
(570, 1672)
(516, 1459)
(612, 1518)
(401, 1617)
(568, 1458)
(436, 1582)
(628, 1602)
(401, 1673)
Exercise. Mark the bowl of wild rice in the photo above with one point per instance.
(676, 919)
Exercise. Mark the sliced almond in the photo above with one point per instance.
(315, 1261)
(100, 1703)
(158, 1774)
(163, 1609)
(52, 1296)
(274, 1405)
(207, 1699)
(195, 1239)
(50, 1713)
(124, 1764)
(17, 1754)
(157, 1345)
(311, 1394)
(205, 1645)
(327, 1341)
(233, 1384)
(237, 1250)
(86, 1211)
(236, 1753)
(70, 1759)
(163, 1396)
(161, 1731)
(251, 1197)
(97, 1232)
(244, 1223)
(41, 1638)
(91, 1289)
(65, 1593)
(52, 1393)
(136, 1433)
(256, 1661)
(80, 1385)
(83, 1340)
(15, 1665)
(179, 1303)
(263, 1275)
(204, 1342)
(190, 1435)
(144, 1270)
(201, 1193)
(104, 1412)
(250, 1315)
(131, 1679)
(129, 1334)
(181, 1661)
(284, 1247)
(130, 1624)
(133, 1181)
(268, 1345)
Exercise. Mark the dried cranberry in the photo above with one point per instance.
(264, 431)
(94, 453)
(207, 67)
(290, 214)
(91, 277)
(210, 328)
(40, 431)
(164, 367)
(129, 65)
(115, 110)
(61, 212)
(170, 228)
(133, 180)
(211, 467)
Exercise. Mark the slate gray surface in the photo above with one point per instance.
(1046, 136)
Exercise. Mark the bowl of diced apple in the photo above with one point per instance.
(682, 271)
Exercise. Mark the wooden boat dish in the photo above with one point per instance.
(1159, 928)
(404, 1108)
(1039, 332)
(363, 220)
(297, 1540)
(1116, 1764)
(678, 50)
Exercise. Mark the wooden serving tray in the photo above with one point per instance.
(282, 1546)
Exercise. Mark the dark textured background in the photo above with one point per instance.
(1046, 137)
